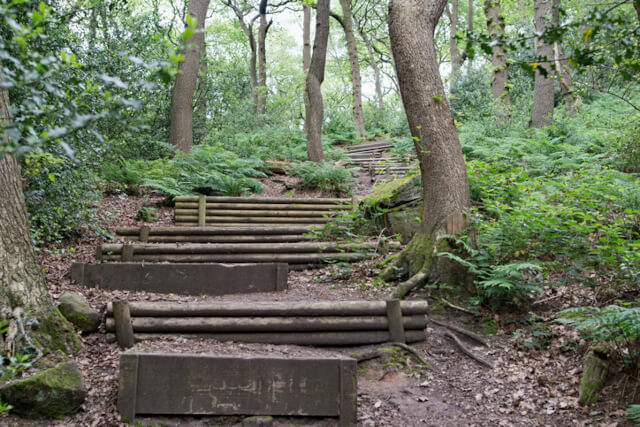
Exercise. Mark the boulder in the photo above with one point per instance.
(76, 310)
(396, 206)
(52, 393)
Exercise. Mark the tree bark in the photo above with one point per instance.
(499, 65)
(261, 107)
(543, 90)
(200, 109)
(456, 60)
(376, 69)
(356, 81)
(569, 97)
(444, 179)
(22, 282)
(315, 108)
(181, 132)
(306, 49)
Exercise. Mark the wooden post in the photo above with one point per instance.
(394, 317)
(348, 393)
(144, 233)
(127, 253)
(128, 387)
(202, 210)
(124, 329)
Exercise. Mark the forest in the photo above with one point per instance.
(440, 197)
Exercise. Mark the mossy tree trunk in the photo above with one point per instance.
(22, 283)
(444, 178)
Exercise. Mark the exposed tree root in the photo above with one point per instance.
(457, 307)
(466, 351)
(462, 331)
(374, 354)
(16, 331)
(414, 281)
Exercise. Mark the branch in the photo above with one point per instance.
(467, 351)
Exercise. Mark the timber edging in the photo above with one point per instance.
(186, 279)
(187, 384)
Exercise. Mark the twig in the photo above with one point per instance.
(542, 301)
(379, 239)
(374, 354)
(461, 331)
(467, 351)
(457, 307)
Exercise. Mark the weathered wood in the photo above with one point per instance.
(204, 248)
(263, 206)
(289, 258)
(124, 329)
(144, 233)
(180, 384)
(223, 199)
(318, 339)
(202, 210)
(318, 308)
(191, 238)
(270, 324)
(240, 223)
(126, 252)
(395, 320)
(256, 213)
(187, 279)
(254, 220)
(205, 231)
(594, 374)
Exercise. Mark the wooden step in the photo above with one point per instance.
(206, 384)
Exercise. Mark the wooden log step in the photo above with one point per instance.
(226, 239)
(267, 324)
(206, 231)
(317, 339)
(187, 384)
(286, 200)
(225, 248)
(285, 308)
(187, 279)
(307, 258)
(253, 220)
(255, 213)
(263, 206)
(368, 147)
(192, 223)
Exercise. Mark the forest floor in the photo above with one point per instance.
(534, 382)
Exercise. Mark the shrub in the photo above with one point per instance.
(325, 177)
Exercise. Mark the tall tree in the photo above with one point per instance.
(306, 47)
(543, 89)
(261, 107)
(457, 59)
(356, 82)
(445, 185)
(569, 97)
(22, 283)
(314, 107)
(181, 132)
(499, 63)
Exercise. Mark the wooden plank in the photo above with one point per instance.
(202, 210)
(282, 206)
(127, 386)
(206, 231)
(244, 258)
(187, 279)
(190, 238)
(180, 384)
(317, 339)
(287, 308)
(254, 220)
(257, 213)
(269, 324)
(348, 394)
(224, 199)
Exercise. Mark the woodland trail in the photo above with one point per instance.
(534, 380)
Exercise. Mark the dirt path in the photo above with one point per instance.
(530, 385)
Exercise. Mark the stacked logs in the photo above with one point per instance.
(292, 252)
(258, 211)
(372, 158)
(301, 323)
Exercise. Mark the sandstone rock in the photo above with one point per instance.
(52, 393)
(76, 310)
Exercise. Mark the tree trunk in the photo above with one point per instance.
(376, 70)
(456, 60)
(181, 133)
(356, 81)
(306, 49)
(499, 65)
(315, 108)
(22, 283)
(444, 178)
(200, 110)
(261, 107)
(569, 97)
(543, 90)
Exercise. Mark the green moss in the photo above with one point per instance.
(53, 393)
(489, 326)
(419, 252)
(388, 189)
(56, 334)
(594, 375)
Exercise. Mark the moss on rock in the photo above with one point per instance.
(76, 310)
(56, 334)
(594, 374)
(53, 393)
